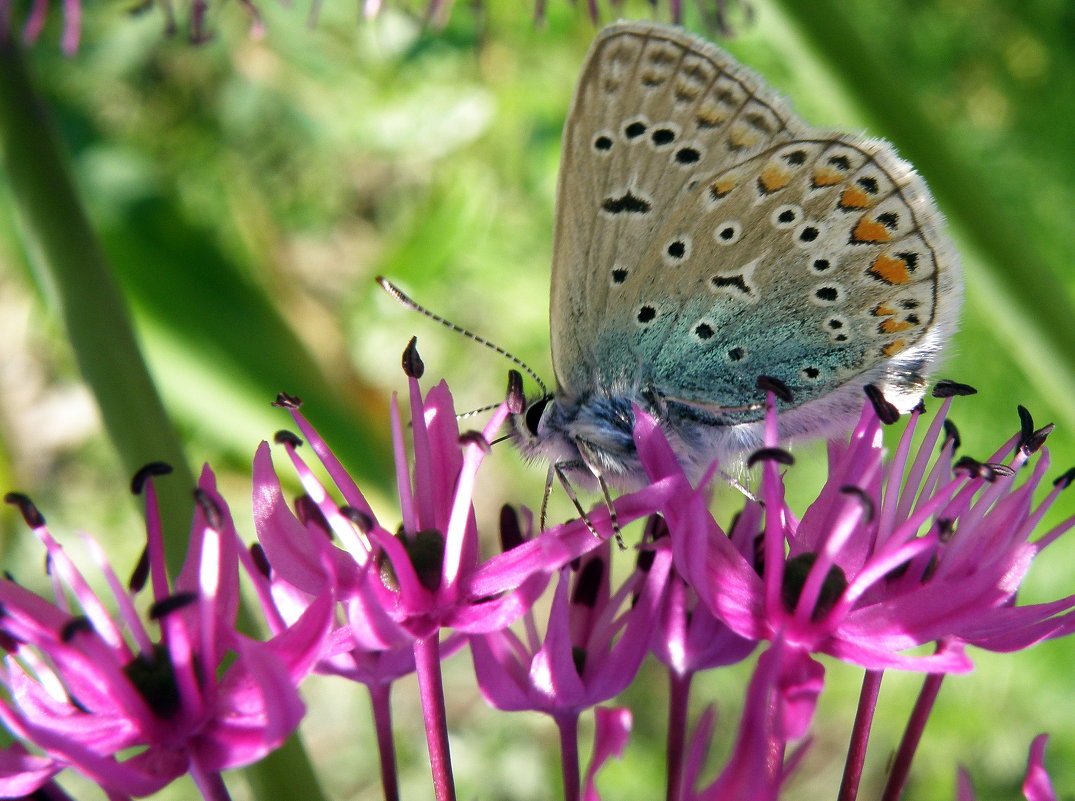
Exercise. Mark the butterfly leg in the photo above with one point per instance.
(613, 518)
(559, 469)
(736, 484)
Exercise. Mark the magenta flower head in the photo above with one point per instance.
(99, 693)
(430, 574)
(594, 644)
(893, 554)
(399, 590)
(758, 766)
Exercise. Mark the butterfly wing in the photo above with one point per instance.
(819, 262)
(656, 111)
(706, 236)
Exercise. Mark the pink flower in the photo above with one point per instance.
(594, 643)
(758, 766)
(85, 686)
(893, 554)
(398, 592)
(612, 730)
(406, 587)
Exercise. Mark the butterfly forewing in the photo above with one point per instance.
(656, 111)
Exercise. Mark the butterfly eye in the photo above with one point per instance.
(534, 413)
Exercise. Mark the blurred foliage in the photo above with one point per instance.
(246, 193)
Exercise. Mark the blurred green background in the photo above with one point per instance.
(247, 191)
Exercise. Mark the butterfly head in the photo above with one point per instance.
(585, 437)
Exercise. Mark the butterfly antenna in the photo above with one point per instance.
(406, 301)
(476, 412)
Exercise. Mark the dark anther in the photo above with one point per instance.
(1031, 439)
(886, 412)
(919, 408)
(412, 362)
(516, 398)
(1037, 439)
(645, 559)
(362, 521)
(1064, 479)
(968, 463)
(260, 559)
(951, 433)
(778, 455)
(1007, 471)
(74, 626)
(656, 529)
(983, 470)
(588, 583)
(285, 437)
(949, 389)
(945, 528)
(511, 533)
(1026, 424)
(30, 513)
(138, 483)
(285, 401)
(796, 572)
(213, 514)
(309, 513)
(475, 438)
(154, 677)
(863, 497)
(578, 657)
(140, 574)
(766, 383)
(166, 606)
(8, 644)
(426, 552)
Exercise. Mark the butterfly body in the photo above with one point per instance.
(706, 236)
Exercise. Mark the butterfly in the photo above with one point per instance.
(705, 237)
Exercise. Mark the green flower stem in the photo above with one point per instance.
(73, 269)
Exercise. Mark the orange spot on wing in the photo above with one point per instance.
(888, 269)
(893, 326)
(709, 116)
(883, 310)
(823, 177)
(722, 187)
(854, 198)
(773, 179)
(869, 231)
(739, 138)
(894, 347)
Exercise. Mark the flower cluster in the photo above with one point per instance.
(195, 15)
(920, 548)
(99, 693)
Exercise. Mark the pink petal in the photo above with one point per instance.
(1037, 786)
(612, 731)
(22, 773)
